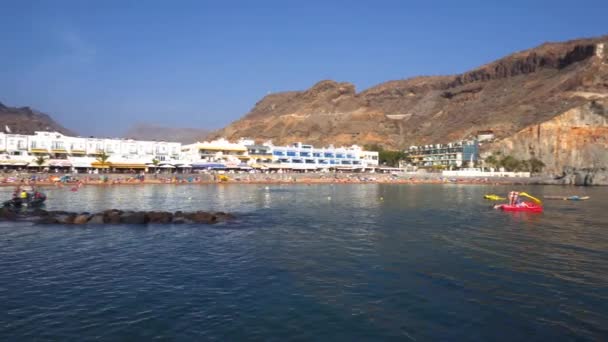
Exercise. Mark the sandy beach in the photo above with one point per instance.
(60, 180)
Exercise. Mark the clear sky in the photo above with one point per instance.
(99, 66)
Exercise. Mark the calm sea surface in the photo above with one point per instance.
(321, 262)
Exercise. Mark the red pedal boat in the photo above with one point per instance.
(524, 206)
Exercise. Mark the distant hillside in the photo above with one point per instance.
(143, 131)
(522, 90)
(505, 96)
(25, 120)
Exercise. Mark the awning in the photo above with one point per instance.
(127, 166)
(59, 151)
(81, 164)
(98, 165)
(60, 163)
(167, 166)
(208, 166)
(78, 152)
(184, 166)
(13, 162)
(39, 150)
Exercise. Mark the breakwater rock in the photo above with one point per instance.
(113, 216)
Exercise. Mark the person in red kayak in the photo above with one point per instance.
(514, 199)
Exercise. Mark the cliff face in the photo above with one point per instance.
(25, 120)
(577, 138)
(521, 90)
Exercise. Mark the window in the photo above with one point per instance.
(291, 153)
(278, 153)
(316, 154)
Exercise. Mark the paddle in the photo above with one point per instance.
(531, 197)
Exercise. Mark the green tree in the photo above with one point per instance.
(391, 158)
(492, 161)
(39, 161)
(102, 158)
(535, 165)
(510, 163)
(155, 162)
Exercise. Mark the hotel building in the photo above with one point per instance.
(456, 154)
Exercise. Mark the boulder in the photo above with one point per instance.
(65, 218)
(222, 216)
(82, 218)
(162, 217)
(48, 219)
(112, 216)
(133, 217)
(97, 219)
(201, 217)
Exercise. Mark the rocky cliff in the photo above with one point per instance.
(577, 138)
(25, 120)
(524, 89)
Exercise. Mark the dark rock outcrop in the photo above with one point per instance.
(114, 216)
(588, 176)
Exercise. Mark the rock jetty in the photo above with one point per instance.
(113, 216)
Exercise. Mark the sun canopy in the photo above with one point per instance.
(208, 166)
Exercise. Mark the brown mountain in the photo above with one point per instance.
(144, 131)
(25, 120)
(518, 91)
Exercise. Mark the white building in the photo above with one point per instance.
(61, 151)
(213, 153)
(303, 156)
(79, 152)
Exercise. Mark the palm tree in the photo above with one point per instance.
(39, 161)
(102, 158)
(155, 162)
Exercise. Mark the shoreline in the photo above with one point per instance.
(51, 180)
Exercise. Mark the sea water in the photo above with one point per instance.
(318, 262)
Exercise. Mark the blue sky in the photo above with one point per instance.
(99, 66)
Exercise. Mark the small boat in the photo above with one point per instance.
(524, 206)
(568, 198)
(494, 197)
(33, 200)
